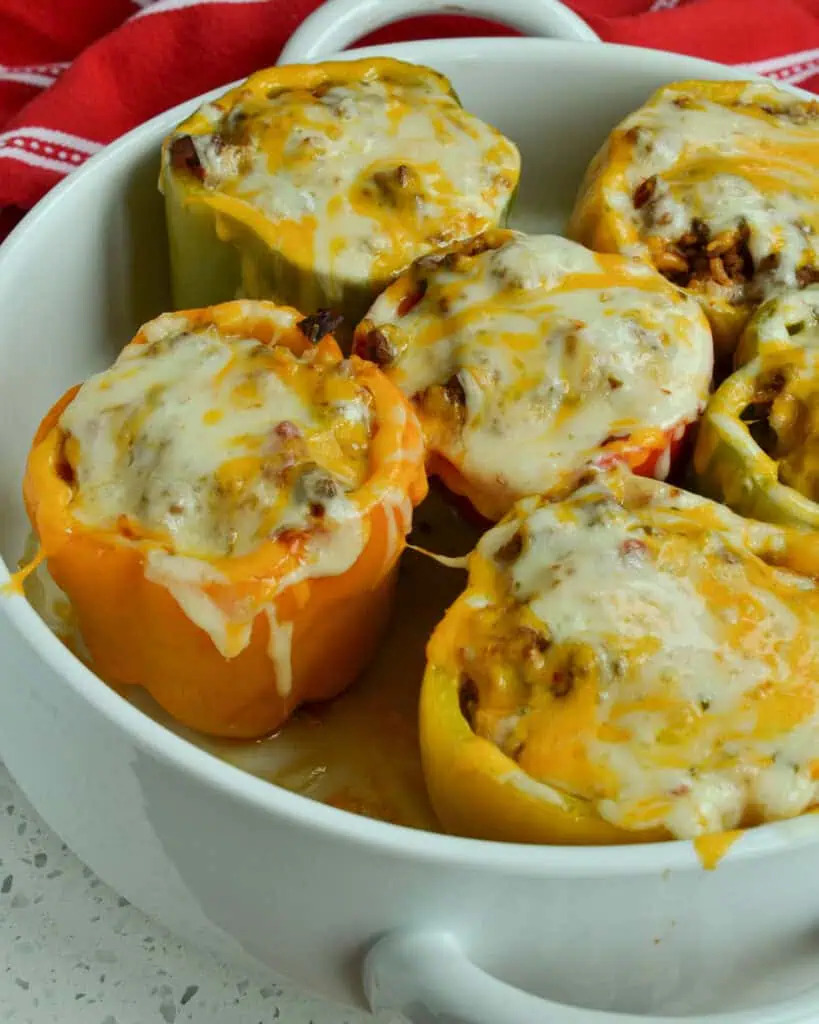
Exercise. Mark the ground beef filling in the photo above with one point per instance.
(699, 258)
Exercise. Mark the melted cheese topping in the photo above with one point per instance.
(625, 646)
(736, 156)
(783, 322)
(214, 444)
(525, 356)
(355, 178)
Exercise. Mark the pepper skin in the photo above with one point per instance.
(730, 465)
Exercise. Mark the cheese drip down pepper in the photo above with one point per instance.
(225, 508)
(629, 663)
(528, 358)
(314, 185)
(717, 184)
(758, 444)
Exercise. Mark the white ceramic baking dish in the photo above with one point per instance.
(578, 936)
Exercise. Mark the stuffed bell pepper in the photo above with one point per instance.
(225, 508)
(717, 183)
(758, 443)
(628, 663)
(528, 358)
(315, 185)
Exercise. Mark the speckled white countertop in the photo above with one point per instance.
(73, 952)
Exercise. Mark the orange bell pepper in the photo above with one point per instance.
(287, 637)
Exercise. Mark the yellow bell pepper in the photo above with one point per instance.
(314, 185)
(479, 792)
(569, 697)
(291, 626)
(677, 183)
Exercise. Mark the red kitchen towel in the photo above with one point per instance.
(75, 74)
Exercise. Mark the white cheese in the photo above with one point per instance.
(789, 319)
(726, 166)
(330, 161)
(556, 349)
(713, 709)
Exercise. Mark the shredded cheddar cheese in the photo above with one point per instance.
(717, 184)
(347, 170)
(712, 848)
(207, 444)
(216, 443)
(757, 447)
(637, 648)
(528, 358)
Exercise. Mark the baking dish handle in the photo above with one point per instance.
(427, 977)
(338, 23)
